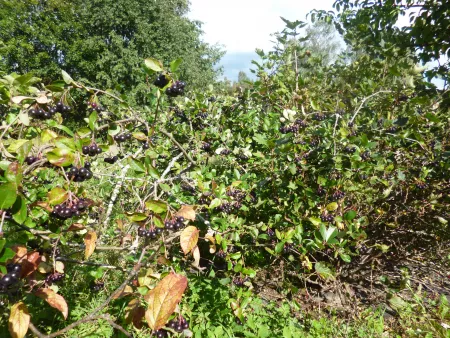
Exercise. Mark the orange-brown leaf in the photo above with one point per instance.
(21, 253)
(76, 227)
(31, 263)
(54, 300)
(89, 241)
(134, 313)
(187, 212)
(189, 239)
(163, 299)
(19, 319)
(127, 290)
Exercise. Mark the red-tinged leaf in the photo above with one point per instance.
(31, 263)
(187, 212)
(61, 157)
(89, 241)
(76, 227)
(135, 313)
(163, 299)
(43, 205)
(127, 290)
(54, 300)
(189, 239)
(19, 319)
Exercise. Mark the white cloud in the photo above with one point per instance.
(243, 25)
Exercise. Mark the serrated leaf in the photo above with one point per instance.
(8, 195)
(19, 319)
(57, 196)
(54, 300)
(189, 239)
(66, 77)
(156, 206)
(187, 212)
(154, 64)
(163, 299)
(89, 240)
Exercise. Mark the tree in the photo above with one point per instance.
(103, 41)
(323, 41)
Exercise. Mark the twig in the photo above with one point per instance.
(364, 101)
(68, 260)
(34, 165)
(169, 135)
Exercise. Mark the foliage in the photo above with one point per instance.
(103, 42)
(202, 213)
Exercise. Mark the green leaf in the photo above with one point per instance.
(332, 206)
(57, 196)
(154, 64)
(140, 136)
(324, 271)
(260, 139)
(8, 195)
(315, 221)
(61, 157)
(328, 234)
(19, 210)
(175, 64)
(7, 255)
(345, 257)
(156, 206)
(215, 203)
(2, 243)
(137, 216)
(314, 105)
(350, 215)
(14, 173)
(66, 77)
(92, 120)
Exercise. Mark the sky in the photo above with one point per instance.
(241, 26)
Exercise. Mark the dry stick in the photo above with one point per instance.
(99, 308)
(68, 260)
(169, 135)
(364, 101)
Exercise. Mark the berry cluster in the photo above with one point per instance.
(145, 145)
(319, 117)
(91, 150)
(270, 232)
(289, 129)
(228, 207)
(239, 281)
(80, 174)
(111, 160)
(242, 157)
(203, 116)
(54, 277)
(41, 114)
(12, 276)
(204, 199)
(225, 152)
(221, 254)
(178, 324)
(321, 191)
(94, 106)
(187, 187)
(301, 123)
(327, 218)
(176, 89)
(349, 150)
(287, 247)
(365, 155)
(161, 333)
(314, 142)
(237, 194)
(161, 81)
(337, 195)
(64, 211)
(175, 224)
(152, 233)
(421, 185)
(392, 129)
(97, 286)
(31, 159)
(122, 137)
(206, 146)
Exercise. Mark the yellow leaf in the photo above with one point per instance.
(89, 241)
(189, 239)
(127, 290)
(54, 300)
(19, 319)
(163, 299)
(187, 212)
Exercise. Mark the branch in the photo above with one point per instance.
(364, 101)
(169, 135)
(68, 260)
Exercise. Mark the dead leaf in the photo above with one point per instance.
(189, 239)
(43, 205)
(134, 313)
(163, 299)
(31, 263)
(187, 211)
(196, 254)
(44, 268)
(54, 300)
(89, 241)
(21, 253)
(19, 319)
(59, 267)
(127, 290)
(212, 246)
(76, 227)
